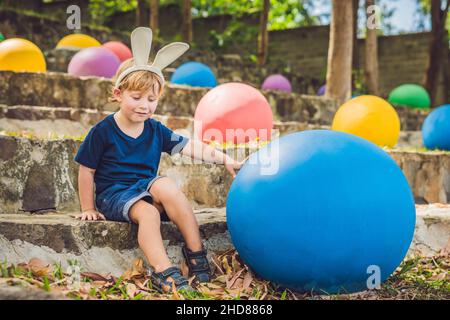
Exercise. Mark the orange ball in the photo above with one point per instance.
(369, 117)
(21, 55)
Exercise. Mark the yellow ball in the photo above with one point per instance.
(21, 55)
(371, 118)
(77, 41)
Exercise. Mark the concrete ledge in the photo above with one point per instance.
(428, 174)
(432, 233)
(101, 246)
(110, 247)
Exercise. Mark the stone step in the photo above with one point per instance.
(51, 122)
(37, 175)
(111, 247)
(103, 247)
(54, 89)
(58, 122)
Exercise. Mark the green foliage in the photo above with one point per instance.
(236, 33)
(359, 81)
(282, 15)
(387, 25)
(292, 14)
(101, 9)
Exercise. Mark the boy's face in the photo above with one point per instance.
(137, 106)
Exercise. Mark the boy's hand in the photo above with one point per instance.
(90, 215)
(231, 167)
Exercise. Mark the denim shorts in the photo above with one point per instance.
(115, 204)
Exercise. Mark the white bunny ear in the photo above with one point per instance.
(141, 43)
(169, 54)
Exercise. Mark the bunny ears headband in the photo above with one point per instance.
(141, 43)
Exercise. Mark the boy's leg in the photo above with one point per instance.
(165, 192)
(147, 217)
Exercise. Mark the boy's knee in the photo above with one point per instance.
(142, 210)
(163, 189)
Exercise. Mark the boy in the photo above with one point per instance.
(121, 155)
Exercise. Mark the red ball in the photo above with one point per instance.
(119, 49)
(233, 112)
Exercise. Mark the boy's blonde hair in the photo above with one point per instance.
(137, 81)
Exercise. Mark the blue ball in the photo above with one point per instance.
(194, 74)
(436, 129)
(327, 212)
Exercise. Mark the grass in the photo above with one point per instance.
(416, 278)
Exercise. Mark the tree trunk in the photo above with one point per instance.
(355, 58)
(187, 21)
(263, 38)
(140, 14)
(339, 69)
(371, 61)
(436, 48)
(154, 24)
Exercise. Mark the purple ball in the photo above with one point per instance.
(94, 61)
(277, 82)
(321, 91)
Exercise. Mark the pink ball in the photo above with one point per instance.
(277, 82)
(94, 61)
(233, 112)
(119, 49)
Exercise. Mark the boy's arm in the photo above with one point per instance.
(86, 193)
(201, 151)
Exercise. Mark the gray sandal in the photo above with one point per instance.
(161, 282)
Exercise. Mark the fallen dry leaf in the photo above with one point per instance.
(216, 263)
(248, 278)
(137, 270)
(226, 266)
(235, 264)
(39, 268)
(94, 276)
(231, 282)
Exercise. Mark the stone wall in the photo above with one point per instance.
(226, 67)
(40, 175)
(53, 89)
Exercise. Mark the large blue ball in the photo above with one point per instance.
(436, 129)
(336, 206)
(194, 74)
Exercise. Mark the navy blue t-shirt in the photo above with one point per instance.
(120, 159)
